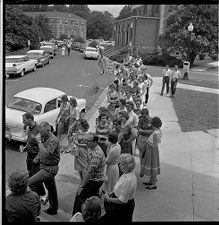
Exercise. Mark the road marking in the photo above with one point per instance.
(80, 85)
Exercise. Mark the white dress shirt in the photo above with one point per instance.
(166, 73)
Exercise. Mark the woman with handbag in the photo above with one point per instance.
(112, 168)
(119, 205)
(78, 146)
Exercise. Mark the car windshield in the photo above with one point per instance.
(34, 55)
(25, 105)
(14, 60)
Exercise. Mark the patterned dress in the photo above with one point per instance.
(151, 159)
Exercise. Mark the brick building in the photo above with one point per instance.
(141, 30)
(64, 23)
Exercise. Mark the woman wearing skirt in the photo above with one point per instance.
(150, 158)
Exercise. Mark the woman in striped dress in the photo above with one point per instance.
(151, 160)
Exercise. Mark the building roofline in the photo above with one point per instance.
(142, 17)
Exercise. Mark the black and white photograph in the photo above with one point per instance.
(110, 113)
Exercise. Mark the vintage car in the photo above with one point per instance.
(40, 55)
(19, 65)
(47, 43)
(44, 103)
(48, 50)
(91, 52)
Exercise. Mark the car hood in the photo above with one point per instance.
(13, 117)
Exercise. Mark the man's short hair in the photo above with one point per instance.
(113, 137)
(28, 116)
(46, 125)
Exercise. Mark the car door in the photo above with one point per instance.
(43, 58)
(50, 113)
(25, 63)
(29, 63)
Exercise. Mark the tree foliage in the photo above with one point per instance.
(100, 25)
(79, 39)
(93, 44)
(80, 10)
(20, 28)
(203, 38)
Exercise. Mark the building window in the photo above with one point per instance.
(145, 10)
(60, 21)
(66, 21)
(72, 22)
(82, 23)
(76, 23)
(156, 10)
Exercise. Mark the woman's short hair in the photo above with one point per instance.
(103, 114)
(17, 181)
(128, 160)
(138, 100)
(113, 137)
(84, 123)
(74, 101)
(144, 112)
(91, 209)
(64, 98)
(123, 101)
(117, 121)
(156, 122)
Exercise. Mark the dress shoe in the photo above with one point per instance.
(50, 211)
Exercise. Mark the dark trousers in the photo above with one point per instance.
(69, 51)
(46, 176)
(33, 169)
(91, 189)
(173, 87)
(147, 95)
(166, 81)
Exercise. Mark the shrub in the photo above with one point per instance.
(93, 44)
(79, 39)
(63, 36)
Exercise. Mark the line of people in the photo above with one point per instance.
(104, 159)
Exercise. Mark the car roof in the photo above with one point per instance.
(40, 94)
(15, 56)
(46, 46)
(36, 51)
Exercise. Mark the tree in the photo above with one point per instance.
(93, 44)
(46, 31)
(100, 25)
(63, 36)
(203, 38)
(125, 12)
(79, 39)
(80, 10)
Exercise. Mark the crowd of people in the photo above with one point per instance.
(104, 159)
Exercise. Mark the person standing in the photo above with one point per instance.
(121, 199)
(22, 205)
(49, 157)
(112, 170)
(32, 150)
(63, 50)
(148, 83)
(94, 176)
(151, 160)
(69, 48)
(176, 75)
(166, 79)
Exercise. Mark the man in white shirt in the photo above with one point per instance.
(148, 82)
(175, 76)
(166, 79)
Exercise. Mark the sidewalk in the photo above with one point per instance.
(188, 184)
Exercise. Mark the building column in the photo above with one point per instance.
(161, 20)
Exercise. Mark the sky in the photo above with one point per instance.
(114, 9)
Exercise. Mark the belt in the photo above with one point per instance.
(49, 164)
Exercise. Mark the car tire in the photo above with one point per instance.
(22, 73)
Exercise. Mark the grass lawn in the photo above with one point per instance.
(201, 83)
(196, 111)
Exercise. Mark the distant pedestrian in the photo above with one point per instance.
(148, 83)
(175, 76)
(166, 79)
(49, 157)
(63, 50)
(32, 150)
(94, 176)
(69, 48)
(150, 157)
(22, 205)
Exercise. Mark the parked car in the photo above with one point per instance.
(19, 65)
(91, 53)
(40, 55)
(82, 47)
(49, 50)
(44, 103)
(54, 46)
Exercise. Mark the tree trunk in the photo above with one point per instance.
(192, 57)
